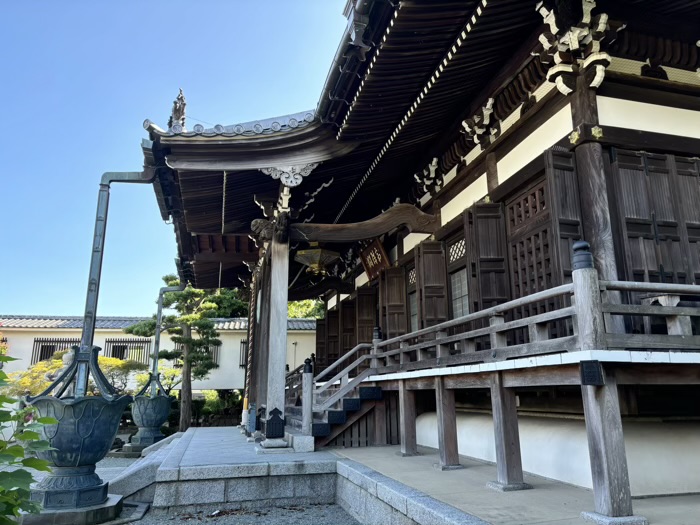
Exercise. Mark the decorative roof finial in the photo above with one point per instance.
(176, 123)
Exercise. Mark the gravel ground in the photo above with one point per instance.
(301, 515)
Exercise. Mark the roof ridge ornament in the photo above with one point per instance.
(292, 175)
(176, 122)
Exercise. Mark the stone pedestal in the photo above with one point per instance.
(92, 515)
(70, 487)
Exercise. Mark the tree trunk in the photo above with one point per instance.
(186, 388)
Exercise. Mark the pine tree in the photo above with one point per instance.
(193, 333)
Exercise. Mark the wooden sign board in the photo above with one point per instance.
(374, 259)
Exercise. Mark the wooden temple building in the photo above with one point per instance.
(434, 199)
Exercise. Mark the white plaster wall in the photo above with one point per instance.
(412, 240)
(332, 301)
(229, 375)
(361, 279)
(449, 176)
(555, 128)
(662, 457)
(306, 345)
(468, 196)
(21, 342)
(648, 117)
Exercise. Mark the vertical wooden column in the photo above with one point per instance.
(380, 437)
(447, 426)
(595, 207)
(276, 371)
(262, 353)
(601, 406)
(509, 467)
(606, 447)
(407, 416)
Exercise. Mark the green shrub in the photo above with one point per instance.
(19, 440)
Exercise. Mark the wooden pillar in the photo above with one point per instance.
(263, 339)
(606, 447)
(509, 467)
(407, 416)
(595, 208)
(601, 406)
(491, 172)
(447, 426)
(380, 437)
(276, 370)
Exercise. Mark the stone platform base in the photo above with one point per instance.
(600, 519)
(123, 454)
(508, 487)
(108, 511)
(437, 466)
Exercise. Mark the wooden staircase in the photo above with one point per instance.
(329, 423)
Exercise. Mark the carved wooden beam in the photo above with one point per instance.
(399, 215)
(316, 290)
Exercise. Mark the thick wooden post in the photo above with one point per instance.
(380, 437)
(447, 426)
(276, 370)
(307, 397)
(601, 406)
(262, 354)
(509, 467)
(606, 447)
(407, 416)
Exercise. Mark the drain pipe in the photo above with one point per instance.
(146, 176)
(159, 322)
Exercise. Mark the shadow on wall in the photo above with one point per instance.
(662, 457)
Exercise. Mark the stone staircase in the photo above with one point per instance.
(328, 424)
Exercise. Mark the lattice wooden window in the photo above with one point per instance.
(412, 277)
(45, 347)
(456, 251)
(138, 349)
(215, 352)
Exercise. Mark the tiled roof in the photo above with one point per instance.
(241, 323)
(119, 323)
(61, 321)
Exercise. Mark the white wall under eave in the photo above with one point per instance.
(361, 280)
(554, 129)
(464, 199)
(412, 240)
(648, 117)
(662, 457)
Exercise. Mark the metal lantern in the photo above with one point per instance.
(316, 258)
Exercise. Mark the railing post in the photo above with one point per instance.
(307, 397)
(498, 339)
(601, 406)
(442, 350)
(376, 339)
(589, 313)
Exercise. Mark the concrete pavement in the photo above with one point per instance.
(548, 503)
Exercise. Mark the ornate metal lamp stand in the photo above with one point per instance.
(87, 421)
(150, 412)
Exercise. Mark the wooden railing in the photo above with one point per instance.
(593, 315)
(292, 383)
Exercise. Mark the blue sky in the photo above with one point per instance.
(78, 79)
